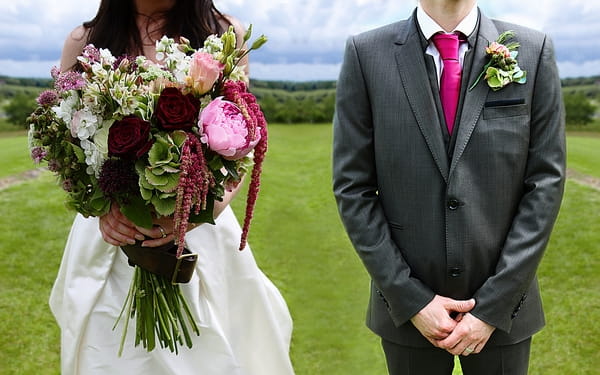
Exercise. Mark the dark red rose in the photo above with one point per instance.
(129, 138)
(175, 111)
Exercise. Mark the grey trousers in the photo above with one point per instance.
(495, 360)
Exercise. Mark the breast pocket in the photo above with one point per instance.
(504, 109)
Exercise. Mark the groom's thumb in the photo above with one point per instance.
(463, 306)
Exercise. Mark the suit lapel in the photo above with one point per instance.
(411, 66)
(474, 99)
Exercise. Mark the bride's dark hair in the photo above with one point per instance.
(115, 28)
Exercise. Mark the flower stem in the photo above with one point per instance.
(485, 68)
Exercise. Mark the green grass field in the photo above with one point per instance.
(15, 156)
(584, 154)
(300, 244)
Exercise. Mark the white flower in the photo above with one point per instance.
(66, 107)
(84, 124)
(213, 44)
(106, 58)
(93, 158)
(98, 72)
(92, 98)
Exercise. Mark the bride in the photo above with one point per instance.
(245, 326)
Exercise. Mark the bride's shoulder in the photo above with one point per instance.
(74, 43)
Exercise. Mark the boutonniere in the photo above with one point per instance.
(502, 68)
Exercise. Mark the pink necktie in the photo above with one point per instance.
(447, 45)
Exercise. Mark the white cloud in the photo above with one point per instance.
(32, 68)
(295, 72)
(584, 69)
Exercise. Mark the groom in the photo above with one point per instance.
(447, 188)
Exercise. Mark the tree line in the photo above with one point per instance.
(290, 102)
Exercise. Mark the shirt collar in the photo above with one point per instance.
(429, 27)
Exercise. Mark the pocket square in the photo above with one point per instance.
(504, 102)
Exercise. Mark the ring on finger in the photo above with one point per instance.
(162, 232)
(468, 350)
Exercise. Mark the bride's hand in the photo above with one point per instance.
(162, 231)
(116, 229)
(160, 234)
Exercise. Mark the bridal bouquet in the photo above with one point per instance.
(163, 139)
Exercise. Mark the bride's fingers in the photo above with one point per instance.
(117, 232)
(122, 224)
(112, 236)
(157, 231)
(159, 241)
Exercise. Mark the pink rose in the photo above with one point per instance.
(224, 129)
(204, 72)
(496, 48)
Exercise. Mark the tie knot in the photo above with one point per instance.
(447, 45)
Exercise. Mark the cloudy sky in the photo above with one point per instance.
(306, 37)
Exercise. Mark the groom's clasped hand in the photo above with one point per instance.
(447, 324)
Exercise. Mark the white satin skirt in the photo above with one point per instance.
(245, 325)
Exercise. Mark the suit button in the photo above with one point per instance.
(455, 272)
(453, 204)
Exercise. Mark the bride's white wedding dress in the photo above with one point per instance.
(245, 326)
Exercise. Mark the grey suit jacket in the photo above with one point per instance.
(470, 223)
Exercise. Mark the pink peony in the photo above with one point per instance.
(225, 131)
(204, 72)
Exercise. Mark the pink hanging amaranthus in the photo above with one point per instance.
(194, 185)
(236, 91)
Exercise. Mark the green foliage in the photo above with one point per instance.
(293, 86)
(579, 109)
(293, 107)
(31, 82)
(19, 108)
(287, 102)
(580, 81)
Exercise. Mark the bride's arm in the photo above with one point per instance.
(72, 48)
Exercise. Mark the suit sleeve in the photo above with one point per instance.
(355, 189)
(538, 208)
